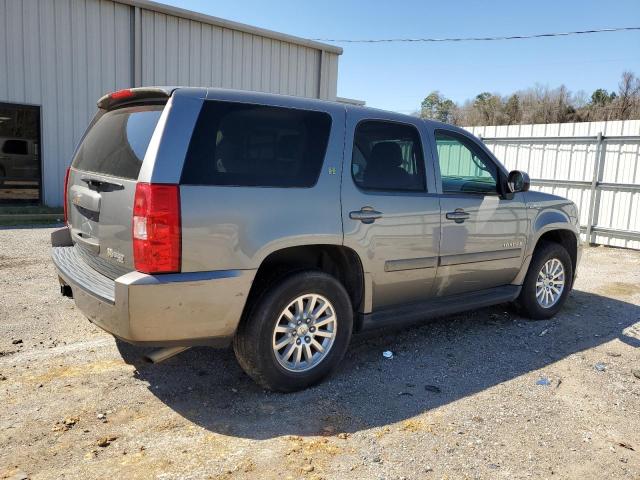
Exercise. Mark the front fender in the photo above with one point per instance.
(544, 220)
(548, 220)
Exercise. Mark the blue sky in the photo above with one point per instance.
(398, 76)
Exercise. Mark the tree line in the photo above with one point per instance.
(539, 104)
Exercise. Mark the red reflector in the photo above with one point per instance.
(65, 198)
(156, 229)
(121, 94)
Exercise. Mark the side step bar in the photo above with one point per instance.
(437, 307)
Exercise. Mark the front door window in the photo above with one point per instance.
(464, 169)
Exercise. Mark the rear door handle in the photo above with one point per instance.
(459, 215)
(365, 215)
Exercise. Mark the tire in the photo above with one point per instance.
(256, 341)
(3, 174)
(528, 303)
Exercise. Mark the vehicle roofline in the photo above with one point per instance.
(203, 92)
(315, 102)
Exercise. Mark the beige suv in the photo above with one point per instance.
(282, 225)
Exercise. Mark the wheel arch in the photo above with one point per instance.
(563, 233)
(565, 237)
(337, 260)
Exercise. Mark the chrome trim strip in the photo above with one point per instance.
(410, 264)
(461, 258)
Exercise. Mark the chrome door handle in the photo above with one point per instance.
(459, 215)
(365, 215)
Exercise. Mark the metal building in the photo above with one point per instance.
(57, 57)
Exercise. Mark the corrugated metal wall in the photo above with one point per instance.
(64, 54)
(568, 165)
(178, 51)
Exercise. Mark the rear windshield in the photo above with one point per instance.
(243, 144)
(117, 141)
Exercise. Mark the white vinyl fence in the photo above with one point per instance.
(595, 164)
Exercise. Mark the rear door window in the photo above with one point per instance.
(387, 156)
(117, 141)
(243, 144)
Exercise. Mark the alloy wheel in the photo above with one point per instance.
(550, 283)
(304, 332)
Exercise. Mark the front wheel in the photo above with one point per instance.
(296, 332)
(547, 283)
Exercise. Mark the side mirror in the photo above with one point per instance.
(518, 181)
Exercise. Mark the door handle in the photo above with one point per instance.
(459, 215)
(365, 215)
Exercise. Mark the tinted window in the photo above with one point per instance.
(117, 141)
(387, 156)
(15, 147)
(254, 145)
(463, 166)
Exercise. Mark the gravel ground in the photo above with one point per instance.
(485, 394)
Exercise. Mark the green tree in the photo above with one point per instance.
(602, 97)
(489, 107)
(429, 106)
(513, 110)
(437, 107)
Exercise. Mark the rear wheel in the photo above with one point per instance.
(547, 283)
(296, 332)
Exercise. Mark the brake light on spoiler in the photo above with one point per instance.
(121, 94)
(134, 95)
(156, 228)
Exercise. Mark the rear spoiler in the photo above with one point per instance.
(134, 95)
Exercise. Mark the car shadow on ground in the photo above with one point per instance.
(436, 363)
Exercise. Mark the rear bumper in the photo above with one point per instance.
(200, 308)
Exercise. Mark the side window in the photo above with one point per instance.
(15, 147)
(243, 144)
(463, 168)
(387, 156)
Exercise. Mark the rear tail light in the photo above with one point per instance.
(156, 228)
(65, 198)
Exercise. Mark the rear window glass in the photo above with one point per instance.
(254, 145)
(117, 141)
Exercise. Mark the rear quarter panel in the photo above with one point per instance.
(229, 227)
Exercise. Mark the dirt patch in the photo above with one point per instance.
(619, 289)
(83, 370)
(483, 394)
(14, 262)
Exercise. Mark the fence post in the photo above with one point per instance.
(594, 203)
